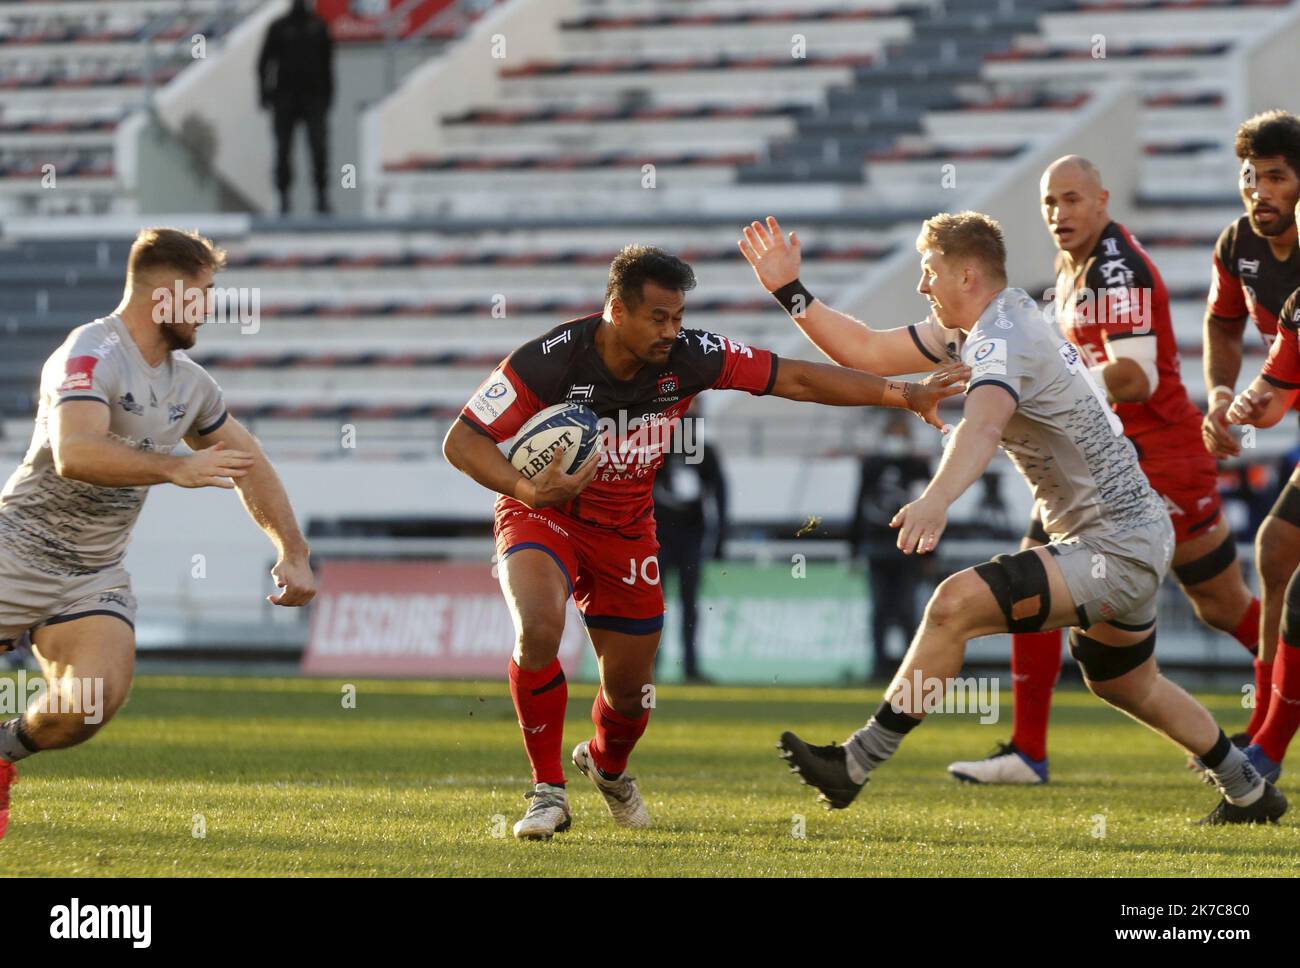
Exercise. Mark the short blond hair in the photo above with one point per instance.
(966, 235)
(164, 248)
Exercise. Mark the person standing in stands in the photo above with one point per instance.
(888, 479)
(296, 78)
(690, 495)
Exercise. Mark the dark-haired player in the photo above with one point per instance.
(1269, 398)
(116, 398)
(1031, 393)
(1256, 267)
(591, 535)
(1113, 306)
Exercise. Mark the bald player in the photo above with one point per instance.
(1111, 541)
(1112, 305)
(115, 400)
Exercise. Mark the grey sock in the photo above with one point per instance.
(869, 747)
(1240, 784)
(15, 744)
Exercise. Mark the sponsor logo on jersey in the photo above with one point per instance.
(1247, 267)
(1116, 273)
(153, 398)
(113, 598)
(127, 403)
(106, 345)
(584, 391)
(78, 373)
(493, 398)
(554, 341)
(1111, 246)
(175, 411)
(989, 358)
(713, 343)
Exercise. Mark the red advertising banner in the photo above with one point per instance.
(422, 619)
(363, 20)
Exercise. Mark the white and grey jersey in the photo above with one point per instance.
(1063, 437)
(67, 528)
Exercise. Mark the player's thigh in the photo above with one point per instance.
(1024, 592)
(88, 658)
(536, 589)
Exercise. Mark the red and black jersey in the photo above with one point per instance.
(1283, 366)
(1119, 295)
(1248, 280)
(638, 415)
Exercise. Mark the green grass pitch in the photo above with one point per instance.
(426, 778)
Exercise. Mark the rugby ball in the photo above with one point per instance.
(569, 425)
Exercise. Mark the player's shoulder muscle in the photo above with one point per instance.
(545, 362)
(83, 358)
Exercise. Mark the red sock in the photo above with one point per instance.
(1263, 696)
(1284, 708)
(1247, 630)
(540, 698)
(615, 735)
(1035, 666)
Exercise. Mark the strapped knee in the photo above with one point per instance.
(1101, 662)
(1209, 565)
(1019, 584)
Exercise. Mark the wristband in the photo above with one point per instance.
(794, 298)
(1224, 390)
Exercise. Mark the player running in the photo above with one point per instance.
(1112, 304)
(591, 534)
(1111, 539)
(1256, 266)
(115, 400)
(1266, 401)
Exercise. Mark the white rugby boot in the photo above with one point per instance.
(1006, 764)
(548, 814)
(621, 795)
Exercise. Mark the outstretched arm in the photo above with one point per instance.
(268, 505)
(776, 259)
(839, 386)
(973, 444)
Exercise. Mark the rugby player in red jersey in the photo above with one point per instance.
(1112, 304)
(591, 534)
(1256, 267)
(1273, 394)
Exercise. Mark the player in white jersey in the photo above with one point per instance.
(1111, 540)
(115, 400)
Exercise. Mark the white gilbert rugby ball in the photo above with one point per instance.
(568, 425)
